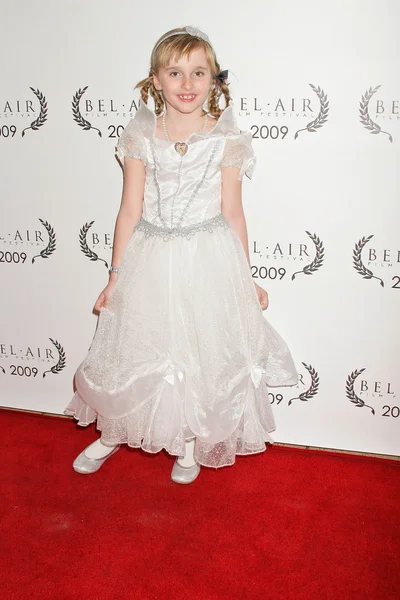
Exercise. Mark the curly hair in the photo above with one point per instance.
(176, 46)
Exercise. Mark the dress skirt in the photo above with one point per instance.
(183, 350)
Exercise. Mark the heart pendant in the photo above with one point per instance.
(181, 148)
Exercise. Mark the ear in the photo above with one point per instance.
(156, 82)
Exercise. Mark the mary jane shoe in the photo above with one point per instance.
(85, 465)
(184, 475)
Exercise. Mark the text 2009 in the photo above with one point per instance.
(264, 132)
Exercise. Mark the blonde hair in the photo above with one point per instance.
(176, 46)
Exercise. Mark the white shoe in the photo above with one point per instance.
(85, 465)
(184, 475)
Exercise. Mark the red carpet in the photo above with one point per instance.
(286, 524)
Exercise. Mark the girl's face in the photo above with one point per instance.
(185, 83)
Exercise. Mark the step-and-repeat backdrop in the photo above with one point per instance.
(319, 90)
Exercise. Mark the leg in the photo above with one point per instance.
(98, 449)
(186, 469)
(91, 458)
(188, 459)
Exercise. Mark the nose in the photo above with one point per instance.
(187, 83)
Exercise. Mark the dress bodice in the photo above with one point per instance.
(181, 191)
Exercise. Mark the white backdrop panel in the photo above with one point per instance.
(321, 96)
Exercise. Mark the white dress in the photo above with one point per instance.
(184, 350)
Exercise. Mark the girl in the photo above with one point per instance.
(182, 354)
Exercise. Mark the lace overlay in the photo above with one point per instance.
(138, 430)
(132, 142)
(239, 153)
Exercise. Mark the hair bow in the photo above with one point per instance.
(197, 33)
(222, 76)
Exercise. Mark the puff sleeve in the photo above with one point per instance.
(239, 153)
(131, 143)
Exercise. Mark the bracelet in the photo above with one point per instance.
(113, 270)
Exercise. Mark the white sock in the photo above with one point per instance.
(98, 450)
(188, 460)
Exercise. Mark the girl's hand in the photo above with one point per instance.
(102, 300)
(262, 296)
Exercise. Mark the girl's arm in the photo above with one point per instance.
(232, 209)
(231, 205)
(130, 210)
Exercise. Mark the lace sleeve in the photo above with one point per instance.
(131, 143)
(239, 153)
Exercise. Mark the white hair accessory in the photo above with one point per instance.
(197, 33)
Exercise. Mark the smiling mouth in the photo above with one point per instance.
(186, 96)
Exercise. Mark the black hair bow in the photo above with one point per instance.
(222, 76)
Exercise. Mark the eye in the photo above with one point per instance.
(173, 73)
(201, 73)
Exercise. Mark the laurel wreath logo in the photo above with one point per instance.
(312, 390)
(91, 255)
(42, 115)
(55, 369)
(357, 260)
(51, 246)
(319, 257)
(365, 119)
(78, 118)
(322, 117)
(350, 393)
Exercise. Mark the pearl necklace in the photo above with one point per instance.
(181, 147)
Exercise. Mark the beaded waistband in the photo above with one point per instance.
(188, 231)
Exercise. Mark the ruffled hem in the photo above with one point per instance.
(144, 428)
